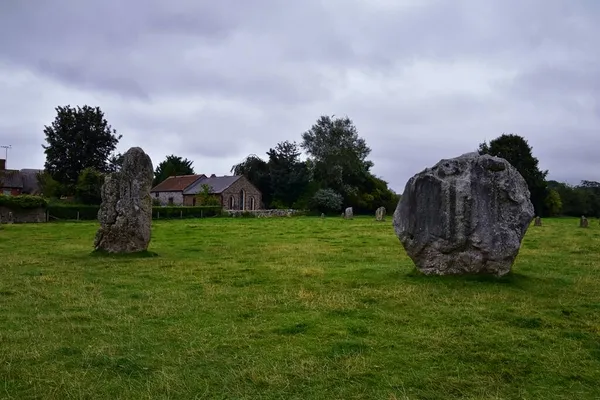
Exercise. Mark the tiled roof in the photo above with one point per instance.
(217, 184)
(30, 180)
(176, 183)
(11, 178)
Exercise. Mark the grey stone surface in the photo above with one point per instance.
(380, 214)
(583, 222)
(349, 213)
(464, 215)
(125, 214)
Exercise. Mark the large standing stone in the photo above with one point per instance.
(126, 211)
(349, 213)
(464, 215)
(380, 214)
(583, 222)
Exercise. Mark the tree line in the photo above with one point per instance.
(81, 147)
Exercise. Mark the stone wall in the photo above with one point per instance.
(163, 197)
(263, 213)
(22, 215)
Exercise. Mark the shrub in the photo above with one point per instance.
(325, 200)
(90, 212)
(23, 201)
(73, 211)
(185, 212)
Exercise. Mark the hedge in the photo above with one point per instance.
(23, 201)
(185, 212)
(89, 212)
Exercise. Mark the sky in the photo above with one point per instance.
(213, 82)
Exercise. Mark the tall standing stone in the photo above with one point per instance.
(380, 214)
(349, 213)
(125, 214)
(583, 222)
(467, 214)
(537, 221)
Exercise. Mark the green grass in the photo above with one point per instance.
(293, 308)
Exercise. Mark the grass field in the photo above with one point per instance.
(293, 308)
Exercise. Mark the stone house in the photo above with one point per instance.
(232, 192)
(15, 182)
(170, 191)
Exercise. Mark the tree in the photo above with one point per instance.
(256, 170)
(518, 153)
(553, 203)
(89, 186)
(288, 175)
(115, 162)
(78, 138)
(48, 186)
(205, 198)
(172, 166)
(326, 200)
(338, 156)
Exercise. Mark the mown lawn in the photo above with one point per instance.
(293, 308)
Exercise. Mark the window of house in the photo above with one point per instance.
(6, 192)
(242, 199)
(252, 203)
(231, 203)
(170, 201)
(155, 194)
(193, 201)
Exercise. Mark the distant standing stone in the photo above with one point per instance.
(322, 215)
(583, 222)
(125, 214)
(467, 214)
(349, 213)
(537, 222)
(380, 214)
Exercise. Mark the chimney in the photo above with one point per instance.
(2, 164)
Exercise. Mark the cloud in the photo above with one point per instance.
(216, 81)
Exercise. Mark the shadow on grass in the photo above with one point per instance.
(137, 254)
(510, 279)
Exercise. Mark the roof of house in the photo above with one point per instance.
(176, 183)
(11, 178)
(30, 180)
(217, 184)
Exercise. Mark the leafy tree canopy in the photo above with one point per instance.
(515, 149)
(78, 138)
(338, 155)
(288, 175)
(171, 166)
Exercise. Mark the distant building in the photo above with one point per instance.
(15, 182)
(232, 192)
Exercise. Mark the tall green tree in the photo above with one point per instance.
(171, 166)
(516, 150)
(338, 156)
(77, 139)
(288, 175)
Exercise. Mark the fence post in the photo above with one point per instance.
(200, 213)
(158, 215)
(180, 213)
(47, 215)
(77, 215)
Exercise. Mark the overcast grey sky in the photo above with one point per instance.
(214, 81)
